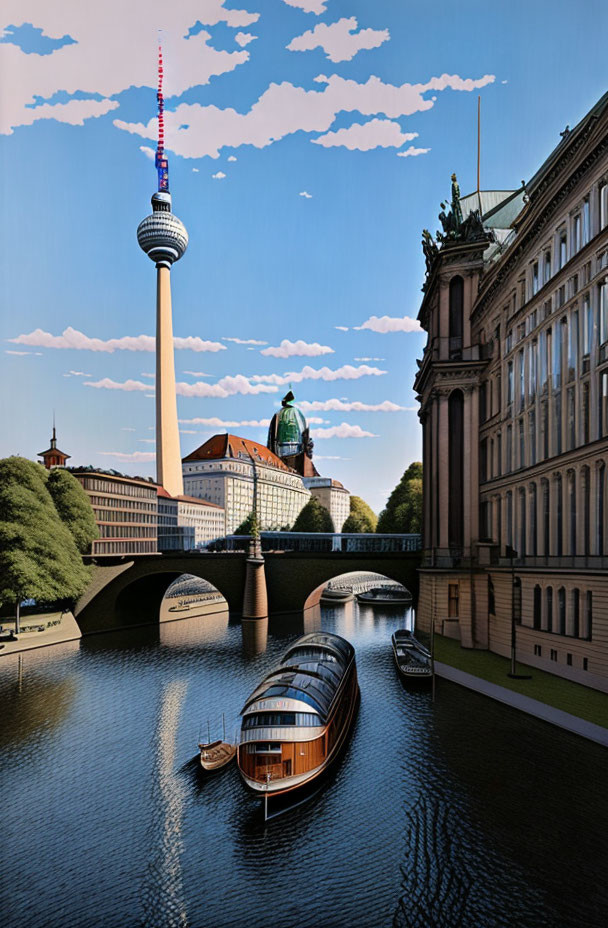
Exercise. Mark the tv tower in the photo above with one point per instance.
(164, 239)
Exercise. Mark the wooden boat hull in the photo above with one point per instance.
(216, 755)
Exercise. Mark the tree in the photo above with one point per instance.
(248, 526)
(38, 555)
(362, 518)
(314, 518)
(74, 507)
(403, 512)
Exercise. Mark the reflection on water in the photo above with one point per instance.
(458, 812)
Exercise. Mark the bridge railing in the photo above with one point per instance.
(320, 542)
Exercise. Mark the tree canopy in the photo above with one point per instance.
(38, 555)
(248, 526)
(74, 507)
(362, 518)
(314, 518)
(403, 512)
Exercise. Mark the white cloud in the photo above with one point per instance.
(72, 338)
(300, 348)
(386, 324)
(226, 386)
(219, 176)
(330, 457)
(412, 152)
(21, 353)
(147, 441)
(347, 372)
(216, 423)
(243, 341)
(244, 38)
(232, 158)
(132, 456)
(143, 374)
(284, 109)
(110, 53)
(306, 194)
(148, 152)
(309, 6)
(335, 405)
(196, 373)
(344, 430)
(369, 359)
(341, 328)
(127, 428)
(340, 41)
(195, 170)
(187, 432)
(377, 133)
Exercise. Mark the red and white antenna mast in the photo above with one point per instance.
(162, 164)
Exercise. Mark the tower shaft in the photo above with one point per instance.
(168, 457)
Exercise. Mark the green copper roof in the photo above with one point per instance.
(291, 424)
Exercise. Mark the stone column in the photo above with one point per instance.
(168, 456)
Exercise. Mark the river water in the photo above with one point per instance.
(457, 813)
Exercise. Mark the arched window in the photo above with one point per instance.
(588, 626)
(585, 476)
(601, 503)
(549, 613)
(576, 612)
(559, 514)
(456, 468)
(510, 518)
(546, 525)
(538, 607)
(561, 611)
(522, 524)
(533, 522)
(456, 316)
(572, 512)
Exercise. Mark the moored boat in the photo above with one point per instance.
(385, 596)
(330, 597)
(216, 754)
(413, 660)
(296, 721)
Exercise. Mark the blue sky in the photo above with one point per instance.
(304, 161)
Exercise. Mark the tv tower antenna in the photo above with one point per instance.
(162, 164)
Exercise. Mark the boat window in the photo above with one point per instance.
(291, 693)
(316, 654)
(262, 747)
(269, 719)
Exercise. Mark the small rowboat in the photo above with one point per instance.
(413, 660)
(216, 754)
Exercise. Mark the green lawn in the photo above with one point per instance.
(579, 700)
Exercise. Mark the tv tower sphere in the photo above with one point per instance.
(162, 235)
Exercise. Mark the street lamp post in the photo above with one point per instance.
(512, 554)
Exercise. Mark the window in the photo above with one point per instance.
(533, 523)
(510, 518)
(588, 616)
(603, 410)
(538, 650)
(559, 515)
(586, 232)
(522, 444)
(532, 436)
(569, 660)
(456, 300)
(549, 605)
(577, 229)
(585, 476)
(535, 277)
(585, 413)
(563, 249)
(491, 598)
(537, 611)
(533, 351)
(603, 205)
(453, 605)
(522, 379)
(546, 523)
(603, 312)
(553, 654)
(561, 610)
(576, 612)
(509, 461)
(499, 454)
(547, 267)
(509, 382)
(570, 420)
(585, 663)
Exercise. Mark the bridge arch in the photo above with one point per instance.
(358, 580)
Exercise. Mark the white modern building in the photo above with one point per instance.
(228, 471)
(185, 522)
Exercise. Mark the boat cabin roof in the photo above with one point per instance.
(310, 672)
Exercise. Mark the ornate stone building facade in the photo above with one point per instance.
(513, 387)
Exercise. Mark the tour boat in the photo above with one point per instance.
(413, 660)
(385, 596)
(216, 754)
(295, 722)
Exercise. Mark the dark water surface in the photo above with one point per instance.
(461, 813)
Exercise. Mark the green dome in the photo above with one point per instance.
(290, 426)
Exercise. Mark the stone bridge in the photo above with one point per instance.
(129, 591)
